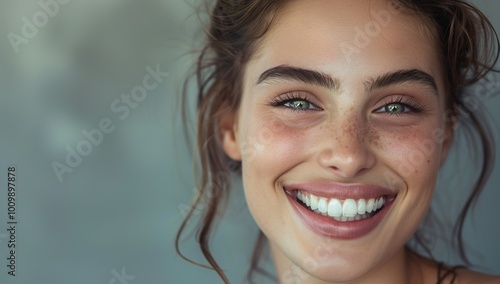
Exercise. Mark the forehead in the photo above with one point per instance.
(333, 36)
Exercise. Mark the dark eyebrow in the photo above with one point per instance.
(311, 77)
(402, 76)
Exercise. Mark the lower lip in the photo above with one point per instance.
(331, 228)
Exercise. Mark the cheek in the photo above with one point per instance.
(270, 144)
(411, 161)
(415, 152)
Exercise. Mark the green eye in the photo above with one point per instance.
(299, 101)
(400, 106)
(298, 104)
(395, 108)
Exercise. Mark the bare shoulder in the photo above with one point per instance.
(466, 276)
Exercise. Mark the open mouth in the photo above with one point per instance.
(340, 211)
(346, 210)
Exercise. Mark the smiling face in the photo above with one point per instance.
(341, 134)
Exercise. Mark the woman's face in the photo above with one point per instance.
(341, 133)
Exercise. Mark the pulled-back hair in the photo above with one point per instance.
(469, 50)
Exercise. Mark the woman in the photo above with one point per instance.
(340, 114)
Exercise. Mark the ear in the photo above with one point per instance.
(228, 134)
(448, 139)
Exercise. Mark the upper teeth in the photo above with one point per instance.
(336, 208)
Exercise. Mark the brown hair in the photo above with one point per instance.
(469, 48)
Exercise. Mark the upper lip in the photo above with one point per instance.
(341, 190)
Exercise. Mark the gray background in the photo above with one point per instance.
(120, 208)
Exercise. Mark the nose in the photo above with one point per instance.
(347, 150)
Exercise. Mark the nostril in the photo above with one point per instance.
(346, 161)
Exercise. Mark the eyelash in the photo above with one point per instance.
(281, 100)
(408, 103)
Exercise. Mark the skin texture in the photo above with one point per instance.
(344, 135)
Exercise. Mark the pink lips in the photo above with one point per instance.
(329, 227)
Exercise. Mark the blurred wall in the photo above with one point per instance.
(68, 68)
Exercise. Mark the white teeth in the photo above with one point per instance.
(314, 202)
(334, 208)
(381, 202)
(322, 206)
(361, 206)
(370, 205)
(349, 208)
(343, 211)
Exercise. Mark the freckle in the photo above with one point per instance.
(373, 137)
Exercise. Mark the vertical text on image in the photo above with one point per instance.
(11, 219)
